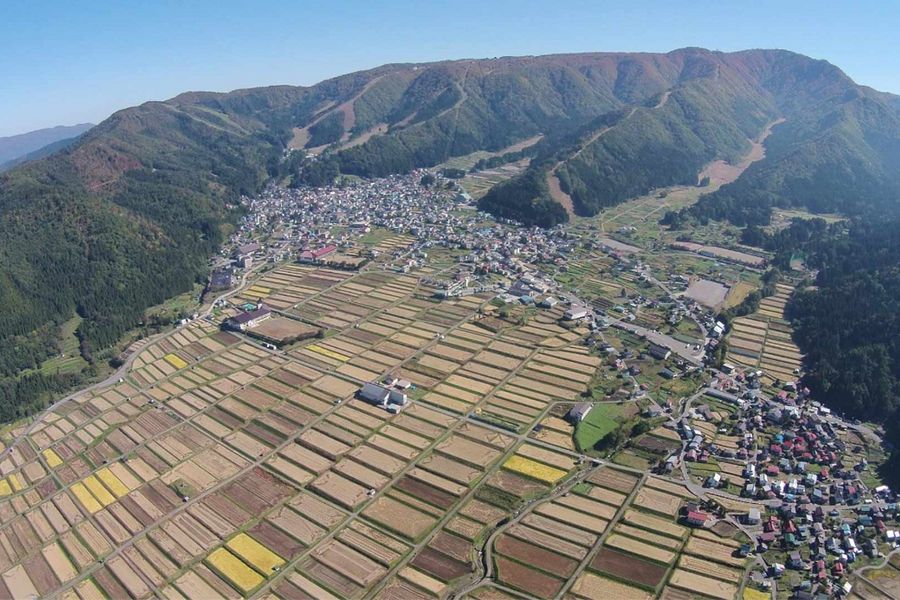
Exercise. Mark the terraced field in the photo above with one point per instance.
(216, 467)
(762, 340)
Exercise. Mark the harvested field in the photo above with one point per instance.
(351, 564)
(607, 496)
(629, 568)
(710, 569)
(339, 489)
(639, 548)
(545, 540)
(562, 530)
(593, 587)
(711, 550)
(468, 451)
(656, 524)
(614, 479)
(657, 501)
(646, 536)
(399, 517)
(572, 517)
(668, 486)
(707, 586)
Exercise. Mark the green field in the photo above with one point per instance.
(602, 419)
(69, 360)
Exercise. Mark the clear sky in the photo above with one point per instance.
(66, 62)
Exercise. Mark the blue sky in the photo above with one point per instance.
(67, 62)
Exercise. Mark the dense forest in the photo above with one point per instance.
(525, 199)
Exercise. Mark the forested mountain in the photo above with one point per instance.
(16, 147)
(128, 214)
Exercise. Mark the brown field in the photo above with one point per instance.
(279, 329)
(339, 489)
(523, 578)
(425, 492)
(704, 585)
(440, 565)
(707, 293)
(561, 530)
(545, 540)
(468, 451)
(399, 517)
(530, 554)
(514, 484)
(629, 568)
(614, 479)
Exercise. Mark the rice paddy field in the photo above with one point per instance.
(216, 467)
(762, 340)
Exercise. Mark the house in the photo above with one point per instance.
(549, 302)
(575, 313)
(696, 518)
(713, 481)
(659, 352)
(221, 279)
(579, 412)
(247, 320)
(382, 396)
(374, 393)
(312, 256)
(246, 251)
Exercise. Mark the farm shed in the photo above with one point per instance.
(579, 412)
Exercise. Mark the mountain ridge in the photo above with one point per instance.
(17, 148)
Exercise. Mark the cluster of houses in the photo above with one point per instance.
(817, 511)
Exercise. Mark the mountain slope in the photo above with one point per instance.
(42, 152)
(17, 146)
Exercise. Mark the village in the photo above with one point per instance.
(387, 393)
(809, 519)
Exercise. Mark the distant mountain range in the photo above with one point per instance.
(128, 214)
(16, 149)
